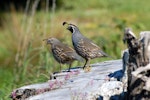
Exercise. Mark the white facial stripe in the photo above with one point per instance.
(73, 29)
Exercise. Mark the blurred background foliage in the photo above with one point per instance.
(25, 57)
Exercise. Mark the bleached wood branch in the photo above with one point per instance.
(138, 74)
(140, 70)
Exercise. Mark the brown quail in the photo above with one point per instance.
(62, 53)
(83, 46)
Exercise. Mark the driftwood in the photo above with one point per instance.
(137, 69)
(78, 85)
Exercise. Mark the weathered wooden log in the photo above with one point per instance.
(139, 85)
(145, 40)
(143, 73)
(77, 85)
(138, 58)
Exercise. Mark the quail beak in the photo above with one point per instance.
(46, 40)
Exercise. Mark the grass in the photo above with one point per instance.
(25, 58)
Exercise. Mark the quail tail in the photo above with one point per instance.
(104, 54)
(79, 58)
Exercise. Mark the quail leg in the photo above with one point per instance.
(69, 67)
(85, 63)
(87, 66)
(60, 68)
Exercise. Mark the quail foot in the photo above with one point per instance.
(83, 46)
(62, 53)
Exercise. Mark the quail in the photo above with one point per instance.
(62, 53)
(83, 46)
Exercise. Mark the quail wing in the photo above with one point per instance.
(65, 53)
(88, 48)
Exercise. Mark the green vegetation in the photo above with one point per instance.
(24, 56)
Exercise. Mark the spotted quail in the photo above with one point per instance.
(62, 53)
(83, 46)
